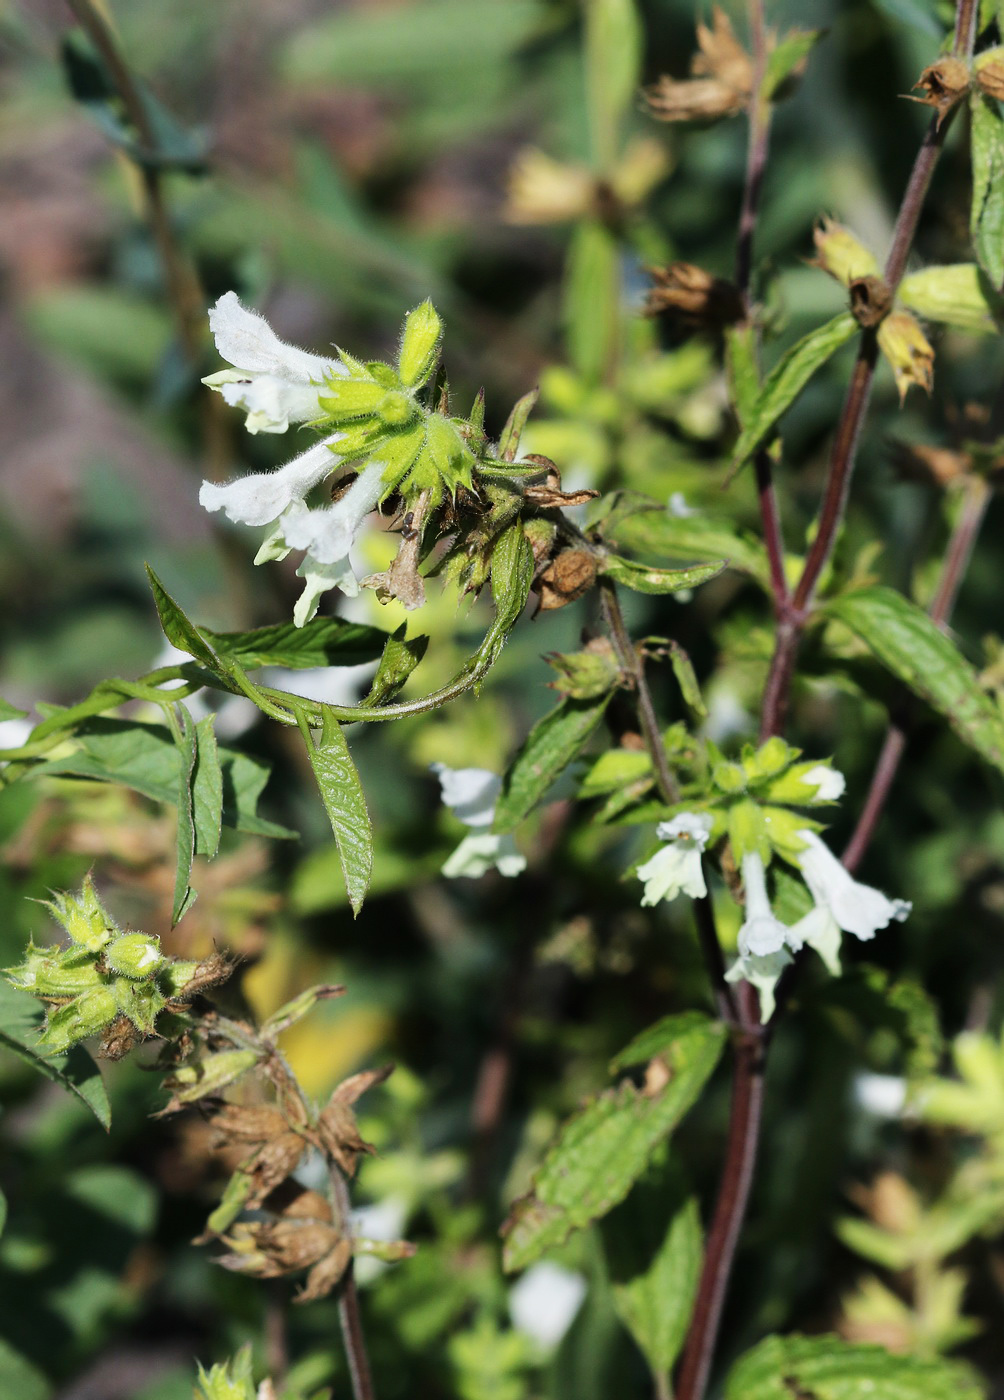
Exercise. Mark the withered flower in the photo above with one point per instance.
(337, 1128)
(276, 1144)
(694, 297)
(908, 351)
(301, 1236)
(721, 82)
(569, 574)
(944, 83)
(989, 73)
(548, 493)
(871, 301)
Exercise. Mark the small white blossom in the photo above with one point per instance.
(882, 1095)
(818, 929)
(763, 973)
(856, 908)
(544, 1302)
(471, 793)
(274, 383)
(761, 933)
(828, 782)
(677, 506)
(676, 869)
(261, 497)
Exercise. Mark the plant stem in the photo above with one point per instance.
(957, 556)
(348, 1300)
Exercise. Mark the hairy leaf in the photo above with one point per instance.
(645, 578)
(911, 646)
(20, 1020)
(638, 524)
(787, 380)
(607, 1145)
(986, 220)
(207, 789)
(401, 655)
(826, 1368)
(547, 750)
(344, 803)
(512, 575)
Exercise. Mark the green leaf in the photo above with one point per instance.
(686, 679)
(634, 522)
(646, 578)
(787, 380)
(920, 15)
(3, 1211)
(907, 642)
(608, 1144)
(344, 802)
(986, 220)
(401, 655)
(613, 60)
(615, 769)
(9, 711)
(512, 575)
(19, 1378)
(514, 425)
(654, 1245)
(785, 58)
(586, 674)
(826, 1368)
(547, 750)
(184, 895)
(20, 1020)
(326, 641)
(207, 790)
(592, 300)
(144, 757)
(742, 368)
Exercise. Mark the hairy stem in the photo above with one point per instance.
(957, 556)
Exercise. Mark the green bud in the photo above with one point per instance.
(397, 409)
(140, 1001)
(957, 294)
(83, 917)
(85, 1015)
(419, 345)
(840, 254)
(446, 460)
(768, 760)
(209, 1076)
(48, 972)
(781, 825)
(748, 831)
(231, 1380)
(383, 374)
(352, 398)
(135, 955)
(806, 784)
(729, 778)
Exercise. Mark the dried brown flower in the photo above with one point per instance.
(569, 574)
(944, 83)
(694, 297)
(722, 78)
(337, 1129)
(277, 1145)
(990, 78)
(941, 465)
(871, 301)
(548, 494)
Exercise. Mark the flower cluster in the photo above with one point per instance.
(369, 415)
(751, 806)
(471, 793)
(105, 980)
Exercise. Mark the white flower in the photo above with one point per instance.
(276, 384)
(818, 929)
(261, 497)
(882, 1095)
(676, 869)
(544, 1302)
(856, 908)
(471, 793)
(761, 933)
(763, 973)
(677, 506)
(828, 782)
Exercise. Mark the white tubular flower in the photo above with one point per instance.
(327, 535)
(471, 793)
(274, 383)
(828, 782)
(818, 929)
(259, 499)
(856, 908)
(761, 933)
(676, 869)
(763, 973)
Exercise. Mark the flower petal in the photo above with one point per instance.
(327, 533)
(761, 933)
(471, 793)
(261, 497)
(270, 403)
(248, 342)
(763, 973)
(319, 578)
(857, 908)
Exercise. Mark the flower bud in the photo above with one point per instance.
(396, 409)
(729, 778)
(908, 351)
(768, 760)
(840, 254)
(135, 955)
(231, 1380)
(805, 784)
(85, 1015)
(140, 1001)
(83, 917)
(48, 972)
(419, 345)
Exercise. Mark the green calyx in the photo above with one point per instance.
(83, 917)
(756, 799)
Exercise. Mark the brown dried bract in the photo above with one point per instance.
(277, 1146)
(402, 579)
(118, 1039)
(694, 297)
(337, 1128)
(548, 493)
(722, 78)
(871, 301)
(569, 574)
(944, 83)
(211, 972)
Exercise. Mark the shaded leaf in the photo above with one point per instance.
(9, 711)
(401, 654)
(826, 1368)
(20, 1020)
(545, 753)
(512, 575)
(787, 380)
(325, 641)
(914, 649)
(986, 222)
(184, 895)
(592, 299)
(607, 1145)
(20, 1378)
(638, 524)
(785, 58)
(344, 802)
(646, 578)
(613, 59)
(207, 789)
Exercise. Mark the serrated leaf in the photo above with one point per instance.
(654, 1245)
(9, 711)
(608, 1144)
(546, 752)
(826, 1368)
(640, 525)
(514, 425)
(905, 640)
(326, 641)
(184, 895)
(207, 789)
(787, 380)
(20, 1020)
(144, 757)
(401, 654)
(646, 578)
(785, 58)
(344, 802)
(986, 221)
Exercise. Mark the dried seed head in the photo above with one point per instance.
(570, 574)
(694, 297)
(943, 84)
(722, 78)
(917, 462)
(871, 301)
(988, 70)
